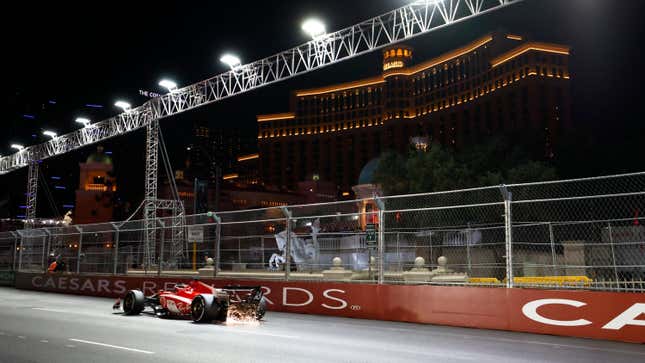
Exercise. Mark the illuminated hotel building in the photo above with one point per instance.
(497, 84)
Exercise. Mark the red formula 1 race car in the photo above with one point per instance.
(201, 302)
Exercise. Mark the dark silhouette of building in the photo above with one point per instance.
(242, 189)
(498, 84)
(213, 148)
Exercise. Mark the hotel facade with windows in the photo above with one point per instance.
(499, 83)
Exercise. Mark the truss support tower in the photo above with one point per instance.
(150, 200)
(32, 194)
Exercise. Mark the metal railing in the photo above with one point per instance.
(583, 233)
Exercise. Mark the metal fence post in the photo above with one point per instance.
(552, 240)
(161, 248)
(508, 228)
(263, 252)
(613, 253)
(15, 249)
(80, 247)
(218, 243)
(116, 248)
(287, 263)
(468, 257)
(370, 275)
(432, 259)
(381, 240)
(22, 247)
(398, 252)
(46, 242)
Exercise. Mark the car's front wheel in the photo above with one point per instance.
(134, 302)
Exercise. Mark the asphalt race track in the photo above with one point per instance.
(44, 327)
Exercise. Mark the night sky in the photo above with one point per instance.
(75, 55)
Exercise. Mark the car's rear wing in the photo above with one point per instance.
(253, 293)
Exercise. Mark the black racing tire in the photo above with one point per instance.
(134, 302)
(222, 315)
(262, 309)
(204, 308)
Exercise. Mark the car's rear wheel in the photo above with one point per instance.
(134, 302)
(204, 308)
(222, 315)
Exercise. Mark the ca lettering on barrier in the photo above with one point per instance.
(343, 303)
(267, 291)
(73, 284)
(627, 317)
(50, 283)
(149, 287)
(103, 286)
(285, 294)
(530, 311)
(120, 287)
(167, 286)
(88, 285)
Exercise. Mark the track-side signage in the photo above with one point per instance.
(590, 314)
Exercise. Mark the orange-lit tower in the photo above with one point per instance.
(96, 188)
(396, 57)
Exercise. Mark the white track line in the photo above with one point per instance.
(50, 310)
(112, 346)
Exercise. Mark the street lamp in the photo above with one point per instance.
(51, 134)
(231, 60)
(425, 2)
(123, 105)
(314, 27)
(84, 121)
(168, 84)
(17, 147)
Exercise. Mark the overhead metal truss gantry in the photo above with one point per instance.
(409, 21)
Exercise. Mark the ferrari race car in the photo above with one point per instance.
(201, 302)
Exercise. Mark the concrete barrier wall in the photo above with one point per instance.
(588, 314)
(7, 278)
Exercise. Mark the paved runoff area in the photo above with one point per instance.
(46, 327)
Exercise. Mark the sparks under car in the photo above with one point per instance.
(201, 302)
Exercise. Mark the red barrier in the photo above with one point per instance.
(600, 315)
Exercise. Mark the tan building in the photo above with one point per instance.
(94, 197)
(496, 84)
